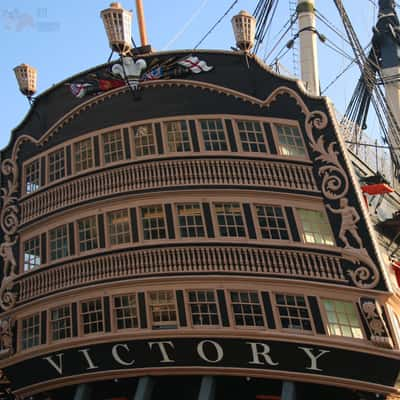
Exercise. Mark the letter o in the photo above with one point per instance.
(218, 349)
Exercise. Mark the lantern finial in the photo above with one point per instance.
(27, 79)
(118, 25)
(244, 28)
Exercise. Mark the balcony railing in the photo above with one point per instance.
(285, 263)
(168, 173)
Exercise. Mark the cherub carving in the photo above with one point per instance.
(349, 221)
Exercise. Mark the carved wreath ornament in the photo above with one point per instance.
(335, 187)
(9, 221)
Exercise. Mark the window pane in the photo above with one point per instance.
(153, 222)
(342, 319)
(32, 176)
(293, 312)
(119, 227)
(145, 144)
(32, 257)
(251, 136)
(113, 147)
(316, 228)
(178, 136)
(83, 155)
(61, 322)
(56, 165)
(126, 311)
(92, 317)
(246, 308)
(30, 332)
(213, 135)
(87, 230)
(290, 141)
(163, 309)
(230, 220)
(59, 247)
(272, 222)
(190, 220)
(203, 308)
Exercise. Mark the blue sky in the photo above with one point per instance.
(62, 38)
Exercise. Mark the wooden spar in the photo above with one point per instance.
(141, 22)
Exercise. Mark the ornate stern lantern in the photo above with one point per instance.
(244, 28)
(27, 80)
(118, 25)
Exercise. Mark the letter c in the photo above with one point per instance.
(118, 358)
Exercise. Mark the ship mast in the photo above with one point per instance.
(308, 46)
(387, 45)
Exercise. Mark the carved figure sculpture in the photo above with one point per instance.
(349, 221)
(6, 252)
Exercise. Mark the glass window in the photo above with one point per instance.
(230, 220)
(87, 230)
(316, 228)
(61, 322)
(32, 176)
(293, 312)
(92, 316)
(113, 147)
(246, 308)
(190, 220)
(119, 230)
(290, 141)
(30, 331)
(342, 319)
(163, 309)
(56, 165)
(126, 311)
(178, 136)
(203, 307)
(251, 136)
(213, 135)
(32, 253)
(272, 222)
(59, 247)
(83, 155)
(153, 223)
(145, 143)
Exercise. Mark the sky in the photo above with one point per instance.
(62, 38)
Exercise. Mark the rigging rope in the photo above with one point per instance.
(216, 24)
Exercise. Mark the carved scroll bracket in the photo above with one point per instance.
(9, 220)
(335, 186)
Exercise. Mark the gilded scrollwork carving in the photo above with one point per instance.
(335, 187)
(9, 220)
(372, 313)
(6, 336)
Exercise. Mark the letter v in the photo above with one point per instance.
(58, 367)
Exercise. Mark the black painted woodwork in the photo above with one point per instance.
(223, 307)
(107, 314)
(231, 135)
(208, 220)
(101, 229)
(269, 315)
(159, 138)
(194, 136)
(170, 221)
(181, 308)
(134, 225)
(292, 224)
(316, 315)
(249, 221)
(142, 310)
